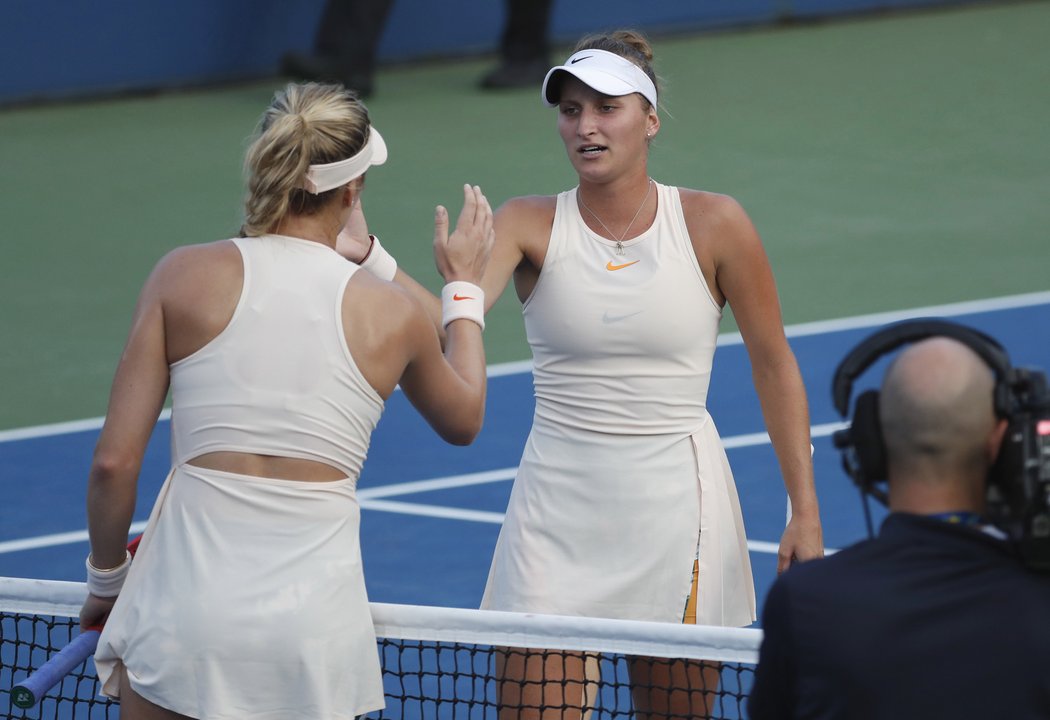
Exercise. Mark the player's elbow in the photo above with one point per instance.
(463, 428)
(460, 439)
(464, 434)
(774, 366)
(110, 466)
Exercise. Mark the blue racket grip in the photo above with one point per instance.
(27, 693)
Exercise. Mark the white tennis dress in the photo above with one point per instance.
(246, 599)
(623, 473)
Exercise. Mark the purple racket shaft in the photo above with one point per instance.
(27, 693)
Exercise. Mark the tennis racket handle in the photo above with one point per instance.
(27, 693)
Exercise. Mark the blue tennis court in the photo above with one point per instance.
(432, 511)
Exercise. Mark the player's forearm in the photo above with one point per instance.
(786, 412)
(110, 507)
(465, 353)
(431, 303)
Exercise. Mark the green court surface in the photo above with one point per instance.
(888, 162)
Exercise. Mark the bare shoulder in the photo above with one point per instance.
(387, 305)
(530, 204)
(190, 275)
(197, 288)
(528, 210)
(523, 230)
(210, 259)
(718, 224)
(712, 207)
(385, 328)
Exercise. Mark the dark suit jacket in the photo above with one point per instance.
(929, 620)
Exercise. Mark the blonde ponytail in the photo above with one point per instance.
(305, 124)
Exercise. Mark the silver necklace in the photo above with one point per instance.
(619, 240)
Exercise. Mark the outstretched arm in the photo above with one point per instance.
(461, 258)
(395, 341)
(355, 244)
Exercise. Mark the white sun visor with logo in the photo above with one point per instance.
(606, 72)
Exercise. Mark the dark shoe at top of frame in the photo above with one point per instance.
(319, 69)
(518, 74)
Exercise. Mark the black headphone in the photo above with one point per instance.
(863, 450)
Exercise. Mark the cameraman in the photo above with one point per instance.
(936, 617)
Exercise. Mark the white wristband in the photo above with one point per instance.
(107, 583)
(462, 300)
(378, 261)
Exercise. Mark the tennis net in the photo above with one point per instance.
(451, 663)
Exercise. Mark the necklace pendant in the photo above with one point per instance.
(619, 248)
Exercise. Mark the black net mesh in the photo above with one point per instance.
(439, 680)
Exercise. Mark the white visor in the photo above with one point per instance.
(321, 178)
(606, 72)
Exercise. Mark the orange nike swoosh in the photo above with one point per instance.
(462, 297)
(610, 266)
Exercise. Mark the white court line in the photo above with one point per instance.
(369, 496)
(970, 307)
(435, 511)
(524, 366)
(62, 428)
(815, 431)
(370, 499)
(495, 518)
(66, 538)
(442, 483)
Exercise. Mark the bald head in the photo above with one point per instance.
(937, 413)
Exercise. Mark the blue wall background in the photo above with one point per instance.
(54, 49)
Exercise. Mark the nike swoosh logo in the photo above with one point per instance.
(462, 297)
(607, 318)
(609, 265)
(573, 62)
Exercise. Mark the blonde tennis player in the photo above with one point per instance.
(624, 504)
(246, 598)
